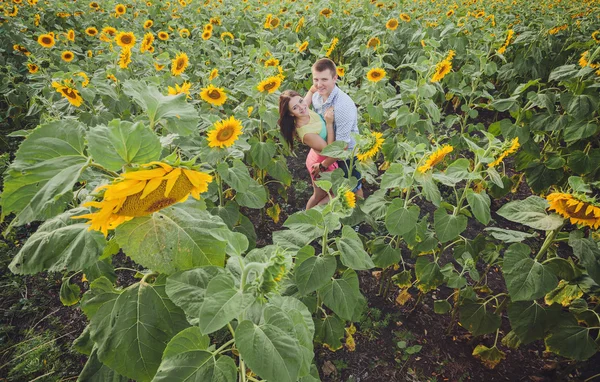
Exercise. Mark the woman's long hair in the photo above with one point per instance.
(286, 120)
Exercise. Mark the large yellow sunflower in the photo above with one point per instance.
(514, 146)
(206, 35)
(441, 69)
(67, 56)
(392, 24)
(578, 209)
(46, 40)
(72, 95)
(213, 95)
(148, 24)
(164, 36)
(435, 158)
(224, 133)
(179, 63)
(373, 145)
(125, 39)
(140, 193)
(376, 74)
(270, 85)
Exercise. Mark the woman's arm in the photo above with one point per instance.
(329, 118)
(309, 94)
(314, 141)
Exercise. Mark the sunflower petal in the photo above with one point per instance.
(171, 180)
(145, 174)
(152, 185)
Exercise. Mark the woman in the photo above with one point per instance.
(296, 120)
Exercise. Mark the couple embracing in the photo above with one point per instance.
(334, 118)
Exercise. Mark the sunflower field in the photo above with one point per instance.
(144, 168)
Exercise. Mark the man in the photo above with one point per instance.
(346, 117)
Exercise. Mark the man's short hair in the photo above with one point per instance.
(324, 64)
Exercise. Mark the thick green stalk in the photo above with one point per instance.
(548, 242)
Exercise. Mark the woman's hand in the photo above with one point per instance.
(313, 89)
(329, 115)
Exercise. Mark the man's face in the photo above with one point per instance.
(324, 81)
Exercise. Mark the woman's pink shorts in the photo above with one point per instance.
(312, 158)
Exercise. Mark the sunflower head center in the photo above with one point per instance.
(126, 39)
(269, 85)
(180, 63)
(214, 94)
(46, 40)
(225, 133)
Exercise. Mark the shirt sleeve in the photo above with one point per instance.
(345, 119)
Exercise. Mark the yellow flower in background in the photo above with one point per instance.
(326, 12)
(208, 27)
(213, 74)
(147, 42)
(109, 31)
(94, 5)
(332, 46)
(140, 193)
(450, 13)
(373, 42)
(224, 133)
(376, 74)
(583, 59)
(271, 62)
(71, 35)
(125, 58)
(183, 89)
(341, 72)
(206, 35)
(72, 95)
(514, 146)
(596, 36)
(148, 24)
(158, 66)
(441, 69)
(404, 17)
(46, 40)
(302, 47)
(120, 9)
(164, 36)
(21, 49)
(392, 24)
(91, 31)
(250, 110)
(435, 158)
(213, 95)
(86, 80)
(226, 34)
(33, 68)
(179, 63)
(578, 209)
(349, 199)
(125, 39)
(300, 24)
(270, 84)
(375, 142)
(184, 33)
(67, 56)
(111, 77)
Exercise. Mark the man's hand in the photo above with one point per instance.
(316, 170)
(329, 115)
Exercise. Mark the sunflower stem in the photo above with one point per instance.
(102, 168)
(548, 242)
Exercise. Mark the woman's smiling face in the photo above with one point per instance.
(297, 107)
